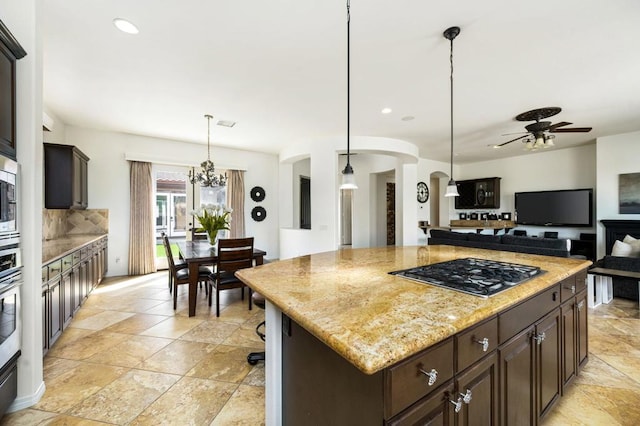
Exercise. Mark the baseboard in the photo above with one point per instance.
(27, 401)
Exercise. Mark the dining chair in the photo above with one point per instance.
(233, 254)
(180, 274)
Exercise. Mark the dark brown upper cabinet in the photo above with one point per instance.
(65, 177)
(478, 194)
(10, 52)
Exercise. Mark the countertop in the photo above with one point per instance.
(60, 247)
(348, 300)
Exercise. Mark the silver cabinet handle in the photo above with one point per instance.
(457, 404)
(432, 375)
(540, 338)
(581, 305)
(485, 344)
(466, 397)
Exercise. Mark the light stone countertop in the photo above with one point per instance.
(60, 247)
(348, 300)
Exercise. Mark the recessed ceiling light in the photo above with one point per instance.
(407, 118)
(386, 110)
(125, 26)
(226, 123)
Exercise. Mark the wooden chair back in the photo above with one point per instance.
(234, 254)
(167, 249)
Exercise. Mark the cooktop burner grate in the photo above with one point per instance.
(479, 277)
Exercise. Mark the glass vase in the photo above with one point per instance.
(212, 236)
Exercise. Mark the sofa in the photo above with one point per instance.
(512, 243)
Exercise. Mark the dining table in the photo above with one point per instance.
(201, 252)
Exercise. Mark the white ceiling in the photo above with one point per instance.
(278, 68)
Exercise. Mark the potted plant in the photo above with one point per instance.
(213, 218)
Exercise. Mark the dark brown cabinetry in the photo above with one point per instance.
(10, 51)
(509, 369)
(66, 283)
(65, 177)
(478, 194)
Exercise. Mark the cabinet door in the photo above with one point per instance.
(7, 102)
(569, 337)
(67, 298)
(517, 380)
(482, 381)
(435, 409)
(45, 319)
(76, 285)
(76, 184)
(548, 361)
(581, 332)
(55, 311)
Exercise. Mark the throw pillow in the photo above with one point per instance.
(621, 249)
(635, 245)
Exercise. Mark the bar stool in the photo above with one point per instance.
(254, 357)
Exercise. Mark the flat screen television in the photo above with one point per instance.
(570, 207)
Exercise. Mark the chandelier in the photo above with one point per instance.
(207, 176)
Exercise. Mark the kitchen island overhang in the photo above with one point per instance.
(348, 301)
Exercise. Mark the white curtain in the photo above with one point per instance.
(235, 200)
(142, 253)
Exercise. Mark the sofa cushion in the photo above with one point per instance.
(548, 243)
(485, 238)
(622, 263)
(448, 235)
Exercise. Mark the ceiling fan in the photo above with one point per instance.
(538, 134)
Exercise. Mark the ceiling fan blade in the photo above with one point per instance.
(572, 130)
(560, 124)
(514, 133)
(513, 140)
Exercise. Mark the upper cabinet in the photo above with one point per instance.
(10, 51)
(479, 194)
(65, 177)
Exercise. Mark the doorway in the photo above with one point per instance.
(171, 216)
(346, 204)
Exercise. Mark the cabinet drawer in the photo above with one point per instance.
(76, 257)
(406, 382)
(568, 288)
(528, 312)
(67, 263)
(45, 274)
(470, 345)
(581, 281)
(55, 268)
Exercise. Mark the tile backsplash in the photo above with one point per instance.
(59, 223)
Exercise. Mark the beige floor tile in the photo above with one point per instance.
(123, 399)
(245, 336)
(626, 364)
(164, 308)
(190, 401)
(28, 417)
(70, 335)
(65, 420)
(172, 327)
(101, 320)
(136, 324)
(224, 363)
(210, 332)
(246, 407)
(73, 386)
(86, 312)
(53, 367)
(597, 368)
(256, 376)
(178, 357)
(131, 352)
(87, 346)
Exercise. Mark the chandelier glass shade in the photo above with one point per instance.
(207, 177)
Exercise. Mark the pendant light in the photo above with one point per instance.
(452, 188)
(207, 176)
(348, 179)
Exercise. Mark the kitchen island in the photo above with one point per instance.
(343, 312)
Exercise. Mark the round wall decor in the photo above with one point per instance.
(423, 192)
(257, 193)
(258, 213)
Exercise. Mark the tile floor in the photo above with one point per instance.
(128, 358)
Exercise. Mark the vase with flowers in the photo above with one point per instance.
(213, 218)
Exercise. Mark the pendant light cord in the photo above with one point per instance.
(348, 82)
(209, 117)
(451, 87)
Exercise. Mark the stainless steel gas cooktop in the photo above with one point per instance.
(479, 277)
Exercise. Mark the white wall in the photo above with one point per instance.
(108, 182)
(615, 155)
